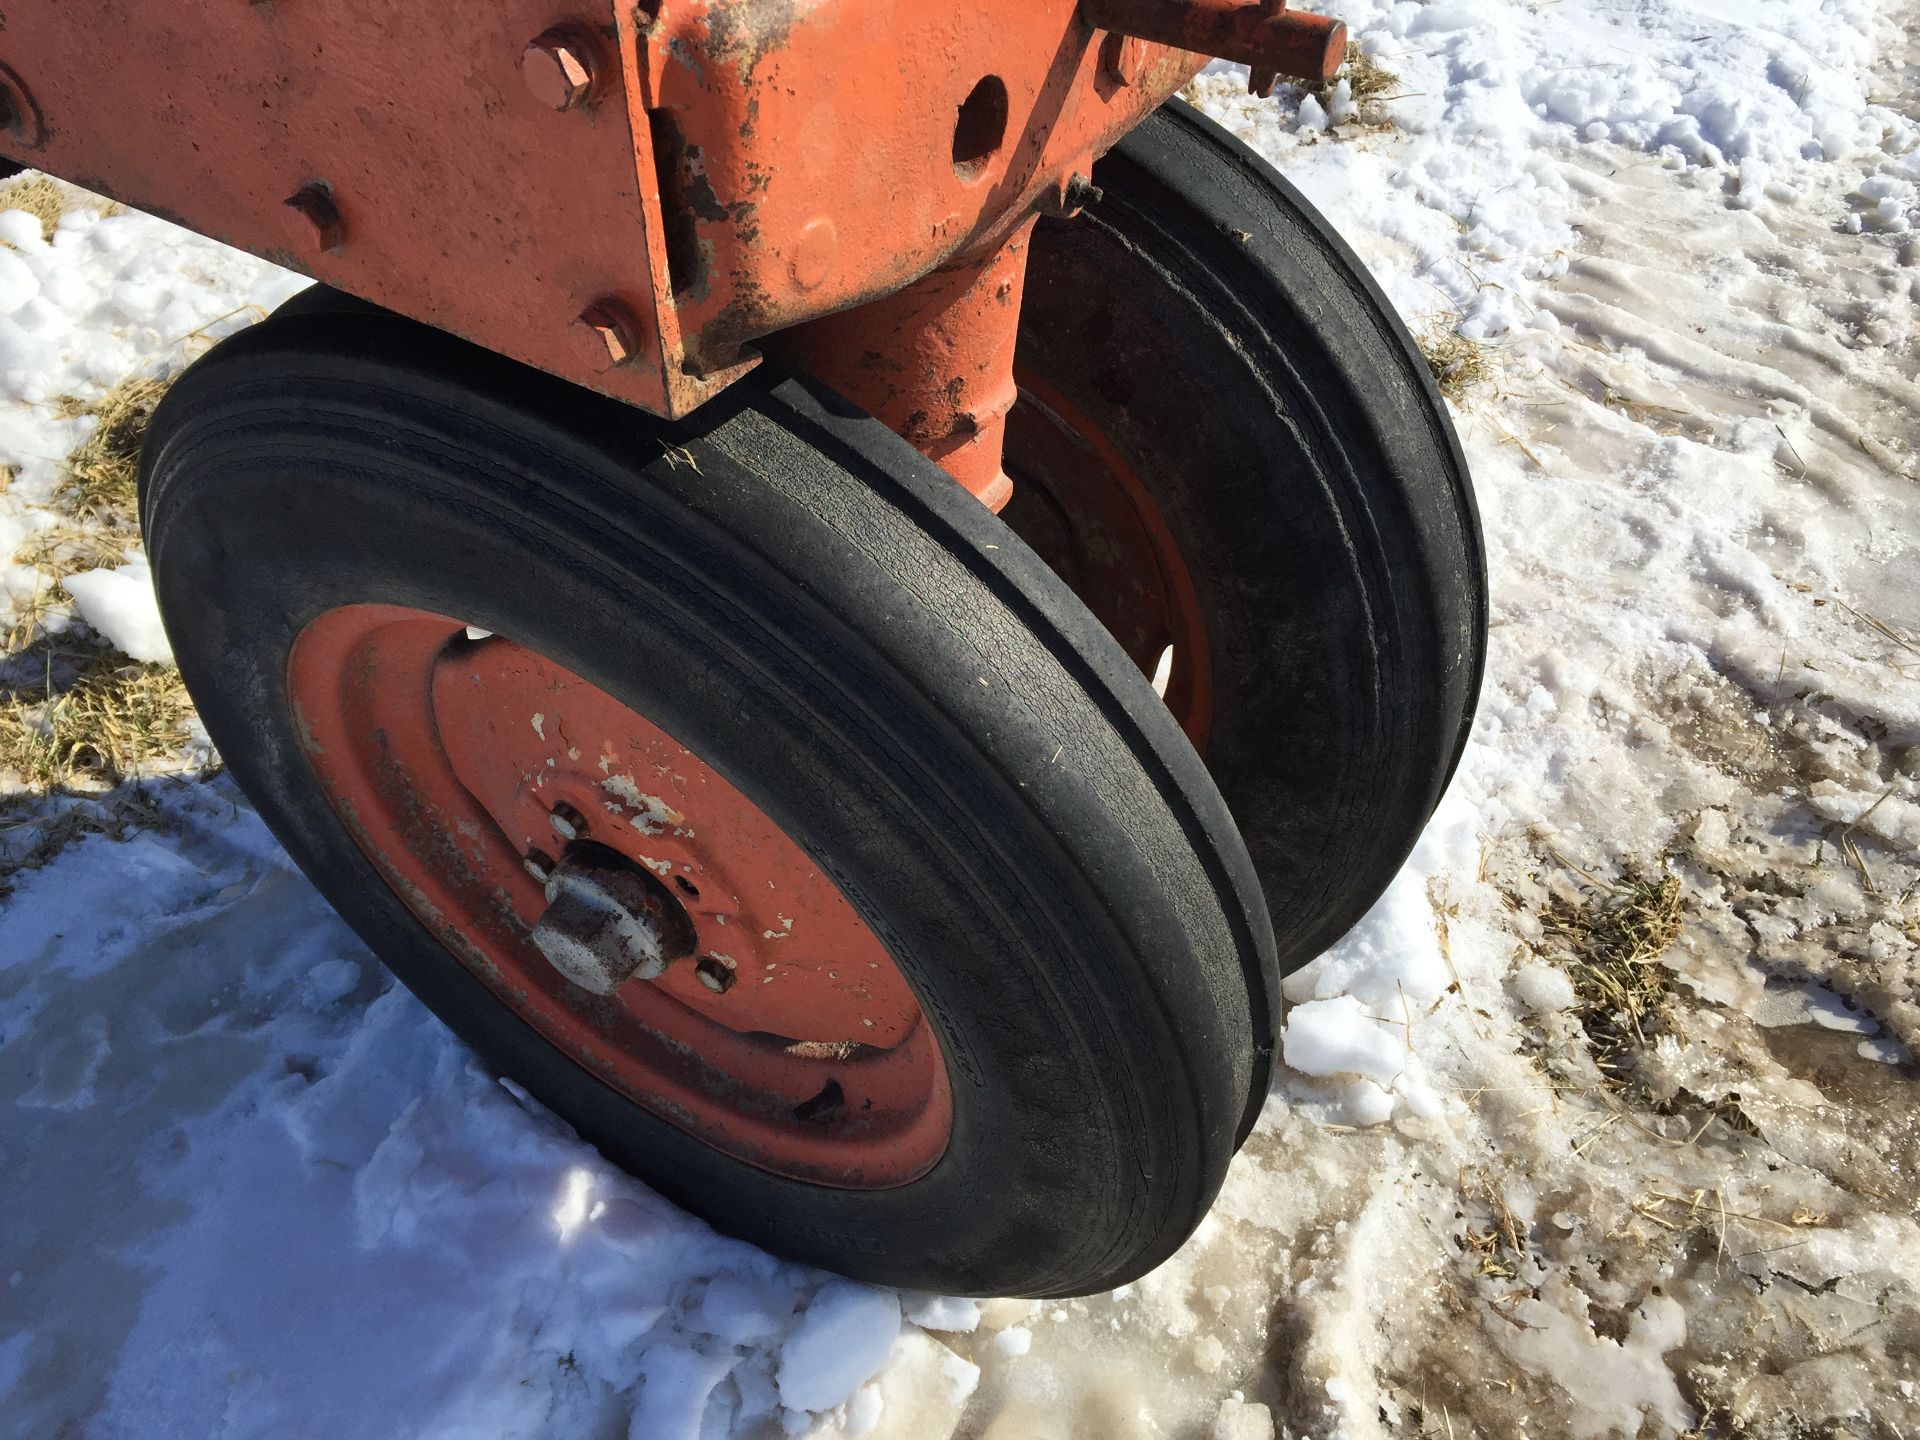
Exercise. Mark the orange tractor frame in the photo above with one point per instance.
(640, 197)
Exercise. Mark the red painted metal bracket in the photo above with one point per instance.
(632, 194)
(626, 196)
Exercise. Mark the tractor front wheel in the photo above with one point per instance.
(735, 786)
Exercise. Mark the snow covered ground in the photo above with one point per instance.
(248, 1188)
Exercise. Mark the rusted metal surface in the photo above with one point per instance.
(608, 921)
(22, 131)
(1263, 34)
(718, 170)
(603, 336)
(819, 154)
(643, 197)
(463, 199)
(461, 765)
(934, 362)
(1123, 59)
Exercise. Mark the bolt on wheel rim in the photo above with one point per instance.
(494, 789)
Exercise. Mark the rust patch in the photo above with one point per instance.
(743, 33)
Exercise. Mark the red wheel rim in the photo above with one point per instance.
(446, 752)
(1080, 504)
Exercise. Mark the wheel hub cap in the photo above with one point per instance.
(607, 921)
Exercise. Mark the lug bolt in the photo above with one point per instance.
(1082, 192)
(559, 69)
(312, 219)
(539, 865)
(568, 823)
(716, 975)
(1070, 197)
(603, 336)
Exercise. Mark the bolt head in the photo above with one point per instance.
(539, 865)
(1123, 59)
(568, 823)
(312, 220)
(603, 336)
(558, 68)
(716, 975)
(1070, 196)
(1082, 192)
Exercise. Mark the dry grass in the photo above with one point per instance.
(1501, 1248)
(78, 721)
(1459, 365)
(41, 196)
(101, 473)
(29, 621)
(47, 199)
(99, 497)
(29, 841)
(1610, 941)
(65, 550)
(95, 720)
(1370, 84)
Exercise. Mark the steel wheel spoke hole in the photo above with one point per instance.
(829, 1105)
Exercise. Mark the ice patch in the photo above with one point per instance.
(1811, 1005)
(1616, 1386)
(1014, 1340)
(1544, 989)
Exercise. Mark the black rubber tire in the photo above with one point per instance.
(807, 603)
(1204, 316)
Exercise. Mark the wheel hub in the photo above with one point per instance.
(461, 762)
(607, 921)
